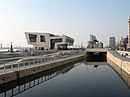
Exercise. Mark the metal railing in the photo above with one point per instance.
(16, 66)
(26, 86)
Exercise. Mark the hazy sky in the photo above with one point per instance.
(75, 18)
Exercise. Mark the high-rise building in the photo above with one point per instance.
(112, 42)
(93, 42)
(129, 33)
(93, 38)
(1, 45)
(123, 43)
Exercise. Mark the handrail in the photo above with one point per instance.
(16, 66)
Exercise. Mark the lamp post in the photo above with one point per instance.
(11, 48)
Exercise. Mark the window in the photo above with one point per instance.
(56, 40)
(42, 38)
(70, 41)
(53, 41)
(51, 35)
(32, 37)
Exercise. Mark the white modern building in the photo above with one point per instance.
(48, 41)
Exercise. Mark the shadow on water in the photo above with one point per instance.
(16, 87)
(122, 74)
(96, 57)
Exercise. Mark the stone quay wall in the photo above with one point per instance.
(120, 61)
(10, 76)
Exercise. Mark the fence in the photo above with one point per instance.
(5, 68)
(32, 83)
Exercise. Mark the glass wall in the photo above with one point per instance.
(70, 41)
(42, 38)
(32, 37)
(53, 41)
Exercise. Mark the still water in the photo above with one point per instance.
(76, 80)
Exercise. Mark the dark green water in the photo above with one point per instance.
(76, 80)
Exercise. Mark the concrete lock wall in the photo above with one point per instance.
(7, 77)
(121, 62)
(125, 76)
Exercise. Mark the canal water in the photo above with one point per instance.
(80, 79)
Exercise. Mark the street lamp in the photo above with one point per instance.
(11, 48)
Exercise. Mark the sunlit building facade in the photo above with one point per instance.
(129, 33)
(48, 41)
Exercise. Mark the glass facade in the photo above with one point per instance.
(70, 41)
(51, 35)
(53, 41)
(112, 42)
(93, 38)
(32, 37)
(42, 38)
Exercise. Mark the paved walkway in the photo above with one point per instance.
(116, 54)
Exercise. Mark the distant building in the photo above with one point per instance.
(123, 43)
(93, 38)
(93, 42)
(48, 41)
(100, 45)
(1, 45)
(129, 33)
(112, 42)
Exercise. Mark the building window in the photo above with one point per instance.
(53, 41)
(42, 38)
(70, 41)
(51, 35)
(56, 40)
(32, 37)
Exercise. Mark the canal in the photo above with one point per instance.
(82, 79)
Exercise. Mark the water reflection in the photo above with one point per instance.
(122, 74)
(84, 79)
(16, 87)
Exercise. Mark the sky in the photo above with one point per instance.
(75, 18)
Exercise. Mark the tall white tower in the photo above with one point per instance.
(129, 33)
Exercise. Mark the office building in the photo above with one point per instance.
(93, 38)
(48, 41)
(93, 42)
(112, 42)
(123, 43)
(100, 45)
(129, 33)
